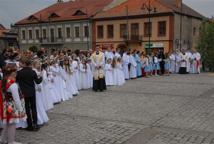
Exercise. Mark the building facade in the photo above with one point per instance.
(148, 26)
(62, 25)
(144, 25)
(56, 35)
(7, 38)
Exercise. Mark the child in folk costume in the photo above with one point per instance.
(41, 101)
(109, 73)
(13, 106)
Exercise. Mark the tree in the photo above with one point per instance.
(206, 45)
(34, 49)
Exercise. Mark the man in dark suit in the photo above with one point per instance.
(26, 78)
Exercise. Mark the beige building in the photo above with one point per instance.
(169, 26)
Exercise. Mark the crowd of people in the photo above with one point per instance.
(32, 83)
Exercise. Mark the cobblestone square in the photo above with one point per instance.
(159, 110)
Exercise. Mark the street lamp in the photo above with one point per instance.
(149, 9)
(181, 24)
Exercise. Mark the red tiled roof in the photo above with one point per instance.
(3, 31)
(135, 8)
(2, 27)
(65, 11)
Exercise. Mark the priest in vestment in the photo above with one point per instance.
(98, 62)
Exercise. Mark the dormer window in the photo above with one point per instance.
(32, 18)
(79, 13)
(54, 15)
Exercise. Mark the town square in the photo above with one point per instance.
(106, 72)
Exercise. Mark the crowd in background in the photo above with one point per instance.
(32, 83)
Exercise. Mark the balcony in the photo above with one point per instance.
(133, 38)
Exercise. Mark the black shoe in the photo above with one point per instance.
(36, 128)
(30, 128)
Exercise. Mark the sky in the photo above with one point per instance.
(13, 10)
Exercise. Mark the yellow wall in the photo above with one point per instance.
(154, 38)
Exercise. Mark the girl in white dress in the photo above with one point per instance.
(73, 78)
(121, 75)
(53, 70)
(118, 75)
(75, 67)
(45, 87)
(109, 73)
(133, 68)
(84, 67)
(40, 101)
(67, 73)
(89, 73)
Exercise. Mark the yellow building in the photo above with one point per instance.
(152, 25)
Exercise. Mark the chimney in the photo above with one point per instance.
(178, 3)
(59, 1)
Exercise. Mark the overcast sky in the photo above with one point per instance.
(14, 10)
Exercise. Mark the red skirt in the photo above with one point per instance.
(1, 103)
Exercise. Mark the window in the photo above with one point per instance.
(162, 28)
(37, 34)
(147, 29)
(77, 31)
(30, 34)
(135, 29)
(68, 32)
(52, 34)
(79, 13)
(86, 31)
(100, 31)
(44, 33)
(123, 30)
(23, 35)
(59, 33)
(110, 31)
(194, 31)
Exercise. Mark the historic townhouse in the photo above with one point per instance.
(62, 25)
(8, 38)
(148, 25)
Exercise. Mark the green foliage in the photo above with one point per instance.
(206, 45)
(34, 49)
